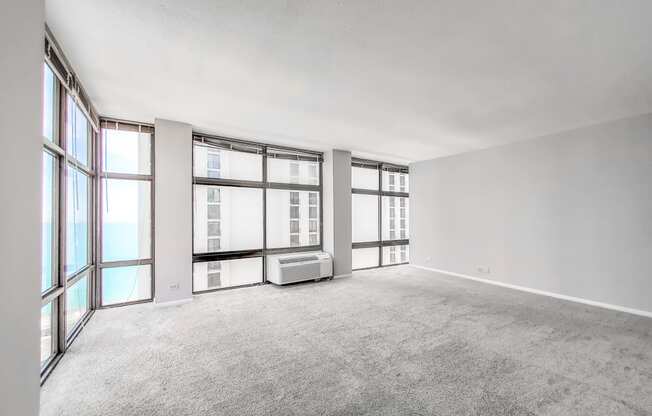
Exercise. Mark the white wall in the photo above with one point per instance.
(21, 69)
(569, 213)
(173, 210)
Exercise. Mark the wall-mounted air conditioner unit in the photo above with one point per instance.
(298, 267)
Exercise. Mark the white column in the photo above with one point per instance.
(337, 209)
(21, 49)
(173, 211)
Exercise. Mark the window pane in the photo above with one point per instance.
(363, 178)
(292, 171)
(364, 217)
(396, 182)
(47, 341)
(126, 151)
(396, 221)
(226, 164)
(48, 225)
(76, 303)
(291, 217)
(126, 284)
(214, 229)
(49, 103)
(77, 231)
(365, 257)
(239, 212)
(396, 254)
(126, 219)
(227, 273)
(77, 132)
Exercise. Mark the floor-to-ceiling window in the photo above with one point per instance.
(380, 214)
(249, 201)
(68, 177)
(126, 211)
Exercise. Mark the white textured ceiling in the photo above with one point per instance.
(401, 80)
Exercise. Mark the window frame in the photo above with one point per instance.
(267, 151)
(66, 86)
(380, 242)
(102, 178)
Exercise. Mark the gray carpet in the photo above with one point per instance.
(394, 341)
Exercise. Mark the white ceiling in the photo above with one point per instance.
(398, 80)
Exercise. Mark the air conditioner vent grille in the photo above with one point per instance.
(298, 259)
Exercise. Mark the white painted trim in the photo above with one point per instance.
(339, 276)
(542, 292)
(173, 302)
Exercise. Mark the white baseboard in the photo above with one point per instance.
(339, 276)
(542, 292)
(172, 302)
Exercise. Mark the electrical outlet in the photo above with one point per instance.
(174, 286)
(484, 269)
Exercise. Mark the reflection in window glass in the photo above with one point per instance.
(77, 231)
(47, 341)
(126, 151)
(48, 230)
(363, 178)
(396, 254)
(396, 219)
(49, 103)
(126, 284)
(396, 182)
(292, 218)
(364, 217)
(227, 273)
(365, 257)
(225, 164)
(76, 303)
(229, 221)
(77, 132)
(126, 219)
(292, 171)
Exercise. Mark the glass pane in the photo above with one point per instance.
(396, 218)
(47, 341)
(77, 232)
(363, 178)
(396, 182)
(126, 219)
(235, 218)
(365, 257)
(225, 164)
(396, 254)
(292, 171)
(49, 103)
(292, 218)
(48, 225)
(227, 273)
(77, 132)
(126, 284)
(126, 151)
(76, 303)
(364, 217)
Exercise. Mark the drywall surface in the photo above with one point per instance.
(337, 209)
(342, 212)
(21, 138)
(327, 203)
(461, 76)
(173, 210)
(569, 213)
